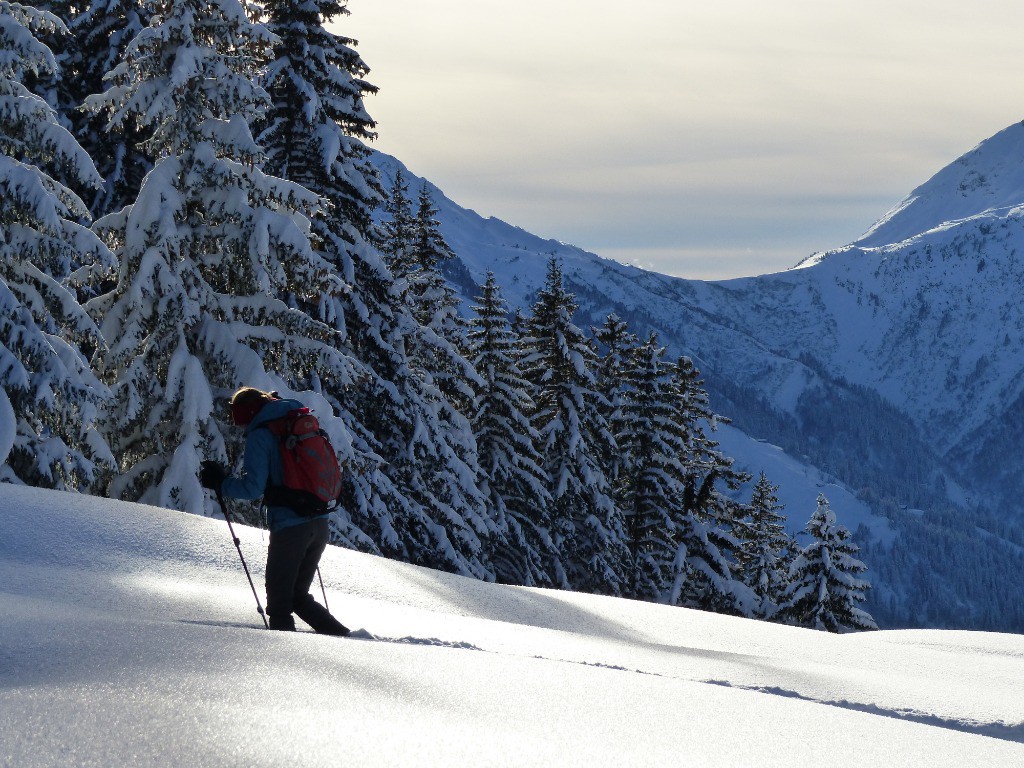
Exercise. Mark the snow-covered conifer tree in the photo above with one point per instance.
(435, 303)
(48, 393)
(313, 134)
(431, 458)
(428, 247)
(413, 458)
(206, 252)
(825, 591)
(427, 438)
(705, 576)
(617, 346)
(396, 230)
(654, 451)
(317, 126)
(763, 552)
(440, 347)
(510, 467)
(588, 526)
(415, 249)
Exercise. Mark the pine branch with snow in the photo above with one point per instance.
(102, 32)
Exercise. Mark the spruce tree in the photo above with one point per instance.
(418, 498)
(396, 229)
(428, 248)
(654, 484)
(764, 548)
(313, 134)
(48, 394)
(440, 346)
(411, 456)
(617, 346)
(206, 251)
(414, 458)
(316, 128)
(510, 466)
(431, 458)
(706, 518)
(435, 303)
(429, 447)
(588, 526)
(825, 592)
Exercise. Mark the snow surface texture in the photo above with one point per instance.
(130, 638)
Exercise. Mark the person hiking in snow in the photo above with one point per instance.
(299, 530)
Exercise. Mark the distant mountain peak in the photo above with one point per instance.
(988, 180)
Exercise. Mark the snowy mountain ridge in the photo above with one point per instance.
(894, 364)
(130, 637)
(988, 180)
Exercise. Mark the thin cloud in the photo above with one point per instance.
(602, 124)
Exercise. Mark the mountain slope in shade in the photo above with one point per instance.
(937, 284)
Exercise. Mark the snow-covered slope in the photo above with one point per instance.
(893, 366)
(129, 637)
(988, 181)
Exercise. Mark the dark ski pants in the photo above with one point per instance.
(292, 559)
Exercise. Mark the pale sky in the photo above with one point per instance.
(710, 140)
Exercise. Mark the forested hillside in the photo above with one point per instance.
(892, 367)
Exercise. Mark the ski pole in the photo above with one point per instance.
(324, 591)
(238, 546)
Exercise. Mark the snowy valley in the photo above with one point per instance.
(130, 637)
(892, 368)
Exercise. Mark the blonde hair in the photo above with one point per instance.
(249, 396)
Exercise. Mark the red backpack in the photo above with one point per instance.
(312, 481)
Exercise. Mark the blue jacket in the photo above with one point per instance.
(261, 466)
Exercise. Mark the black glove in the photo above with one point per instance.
(212, 474)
